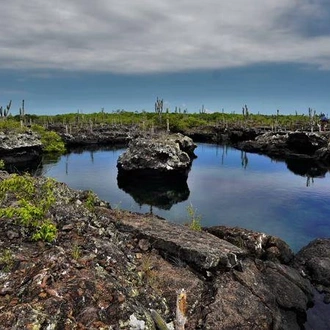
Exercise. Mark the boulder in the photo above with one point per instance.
(314, 260)
(20, 148)
(160, 155)
(264, 296)
(289, 145)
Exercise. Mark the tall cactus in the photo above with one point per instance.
(4, 111)
(159, 106)
(7, 108)
(22, 110)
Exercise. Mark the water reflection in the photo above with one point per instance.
(244, 159)
(306, 168)
(160, 192)
(35, 168)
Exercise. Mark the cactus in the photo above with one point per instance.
(22, 110)
(159, 106)
(7, 109)
(245, 111)
(4, 112)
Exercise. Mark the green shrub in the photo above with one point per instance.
(47, 232)
(90, 201)
(10, 125)
(76, 252)
(2, 164)
(30, 206)
(6, 260)
(51, 141)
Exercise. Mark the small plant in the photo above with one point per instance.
(194, 218)
(90, 201)
(2, 164)
(76, 251)
(148, 272)
(6, 260)
(47, 232)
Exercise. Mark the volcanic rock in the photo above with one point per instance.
(161, 155)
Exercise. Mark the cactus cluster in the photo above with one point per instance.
(5, 111)
(245, 111)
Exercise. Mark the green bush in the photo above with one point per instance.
(46, 232)
(30, 204)
(90, 201)
(6, 260)
(10, 125)
(51, 141)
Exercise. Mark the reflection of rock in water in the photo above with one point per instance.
(32, 167)
(306, 167)
(160, 191)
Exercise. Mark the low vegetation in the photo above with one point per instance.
(90, 201)
(177, 120)
(29, 205)
(194, 218)
(6, 260)
(51, 141)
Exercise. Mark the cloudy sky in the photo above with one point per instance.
(67, 55)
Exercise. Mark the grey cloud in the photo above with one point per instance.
(157, 36)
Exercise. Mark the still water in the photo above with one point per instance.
(225, 186)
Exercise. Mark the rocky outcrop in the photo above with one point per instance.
(100, 136)
(293, 145)
(20, 147)
(109, 268)
(160, 155)
(260, 245)
(314, 261)
(243, 134)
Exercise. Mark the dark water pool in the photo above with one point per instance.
(226, 186)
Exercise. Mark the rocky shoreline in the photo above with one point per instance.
(110, 268)
(113, 269)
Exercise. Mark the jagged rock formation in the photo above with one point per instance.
(283, 145)
(314, 261)
(104, 135)
(20, 147)
(260, 245)
(159, 155)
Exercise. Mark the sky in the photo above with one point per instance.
(66, 56)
